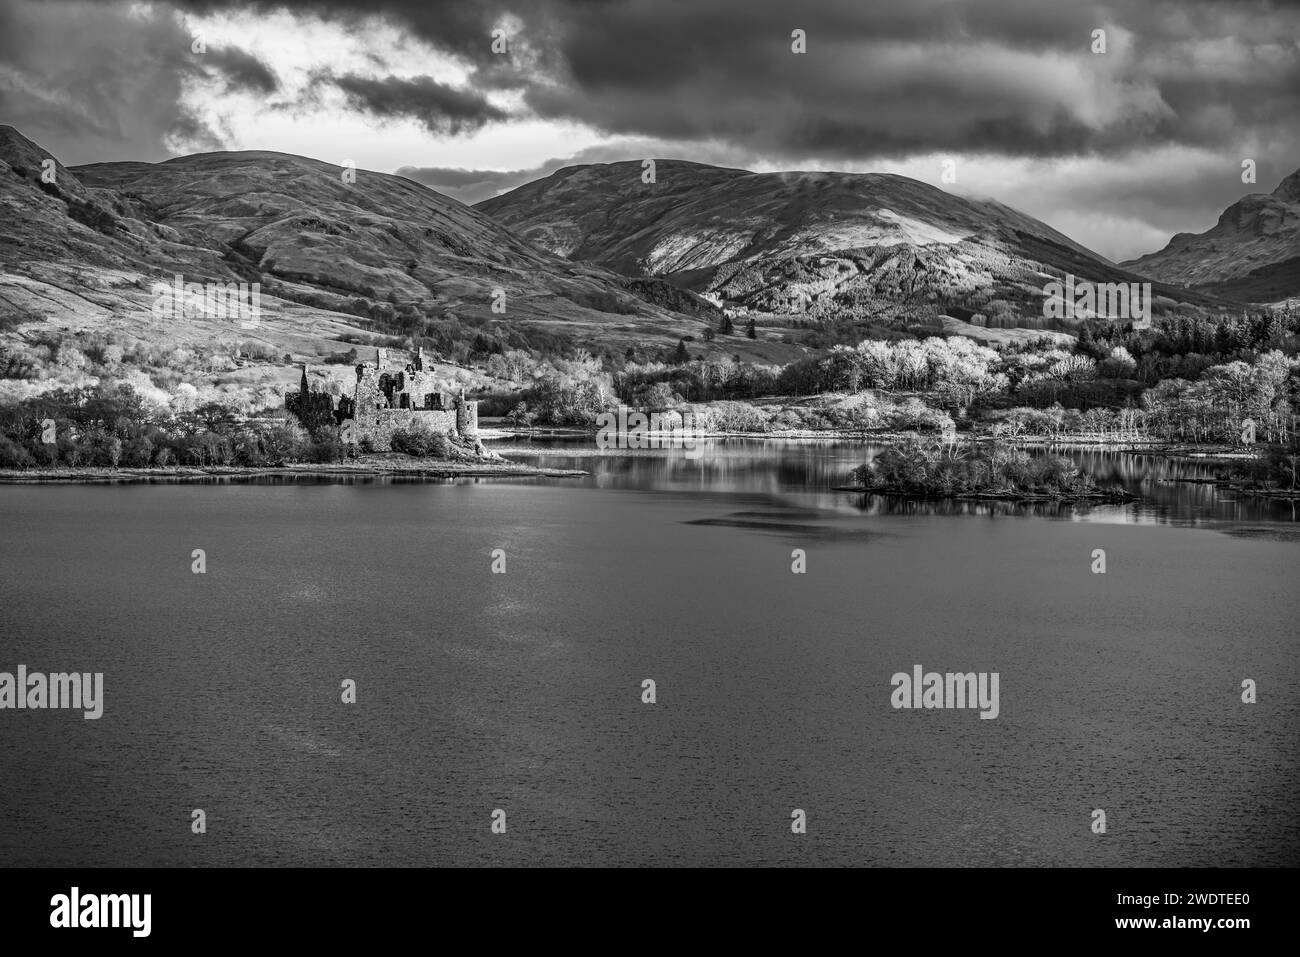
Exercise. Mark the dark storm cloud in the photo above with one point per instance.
(1013, 76)
(96, 82)
(242, 70)
(439, 107)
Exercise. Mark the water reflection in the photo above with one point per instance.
(804, 472)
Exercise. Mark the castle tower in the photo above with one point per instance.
(466, 416)
(381, 357)
(419, 359)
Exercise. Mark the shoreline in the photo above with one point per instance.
(377, 465)
(1161, 447)
(122, 476)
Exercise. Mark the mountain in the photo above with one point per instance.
(84, 250)
(1252, 253)
(822, 244)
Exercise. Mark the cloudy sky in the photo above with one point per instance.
(1117, 149)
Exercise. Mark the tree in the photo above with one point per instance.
(658, 397)
(521, 416)
(1118, 364)
(682, 356)
(14, 455)
(752, 330)
(727, 327)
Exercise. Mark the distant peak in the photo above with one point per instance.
(660, 163)
(1289, 188)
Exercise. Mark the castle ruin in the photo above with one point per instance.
(387, 401)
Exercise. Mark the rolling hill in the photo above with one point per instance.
(814, 244)
(82, 252)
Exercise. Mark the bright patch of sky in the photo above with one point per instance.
(313, 119)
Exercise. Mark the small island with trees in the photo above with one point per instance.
(935, 469)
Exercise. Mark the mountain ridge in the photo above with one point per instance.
(314, 241)
(1252, 251)
(808, 242)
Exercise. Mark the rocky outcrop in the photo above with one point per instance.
(1252, 252)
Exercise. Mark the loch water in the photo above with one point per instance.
(522, 691)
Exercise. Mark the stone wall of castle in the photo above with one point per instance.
(379, 426)
(388, 401)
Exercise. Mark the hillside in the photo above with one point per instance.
(1252, 253)
(336, 261)
(815, 244)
